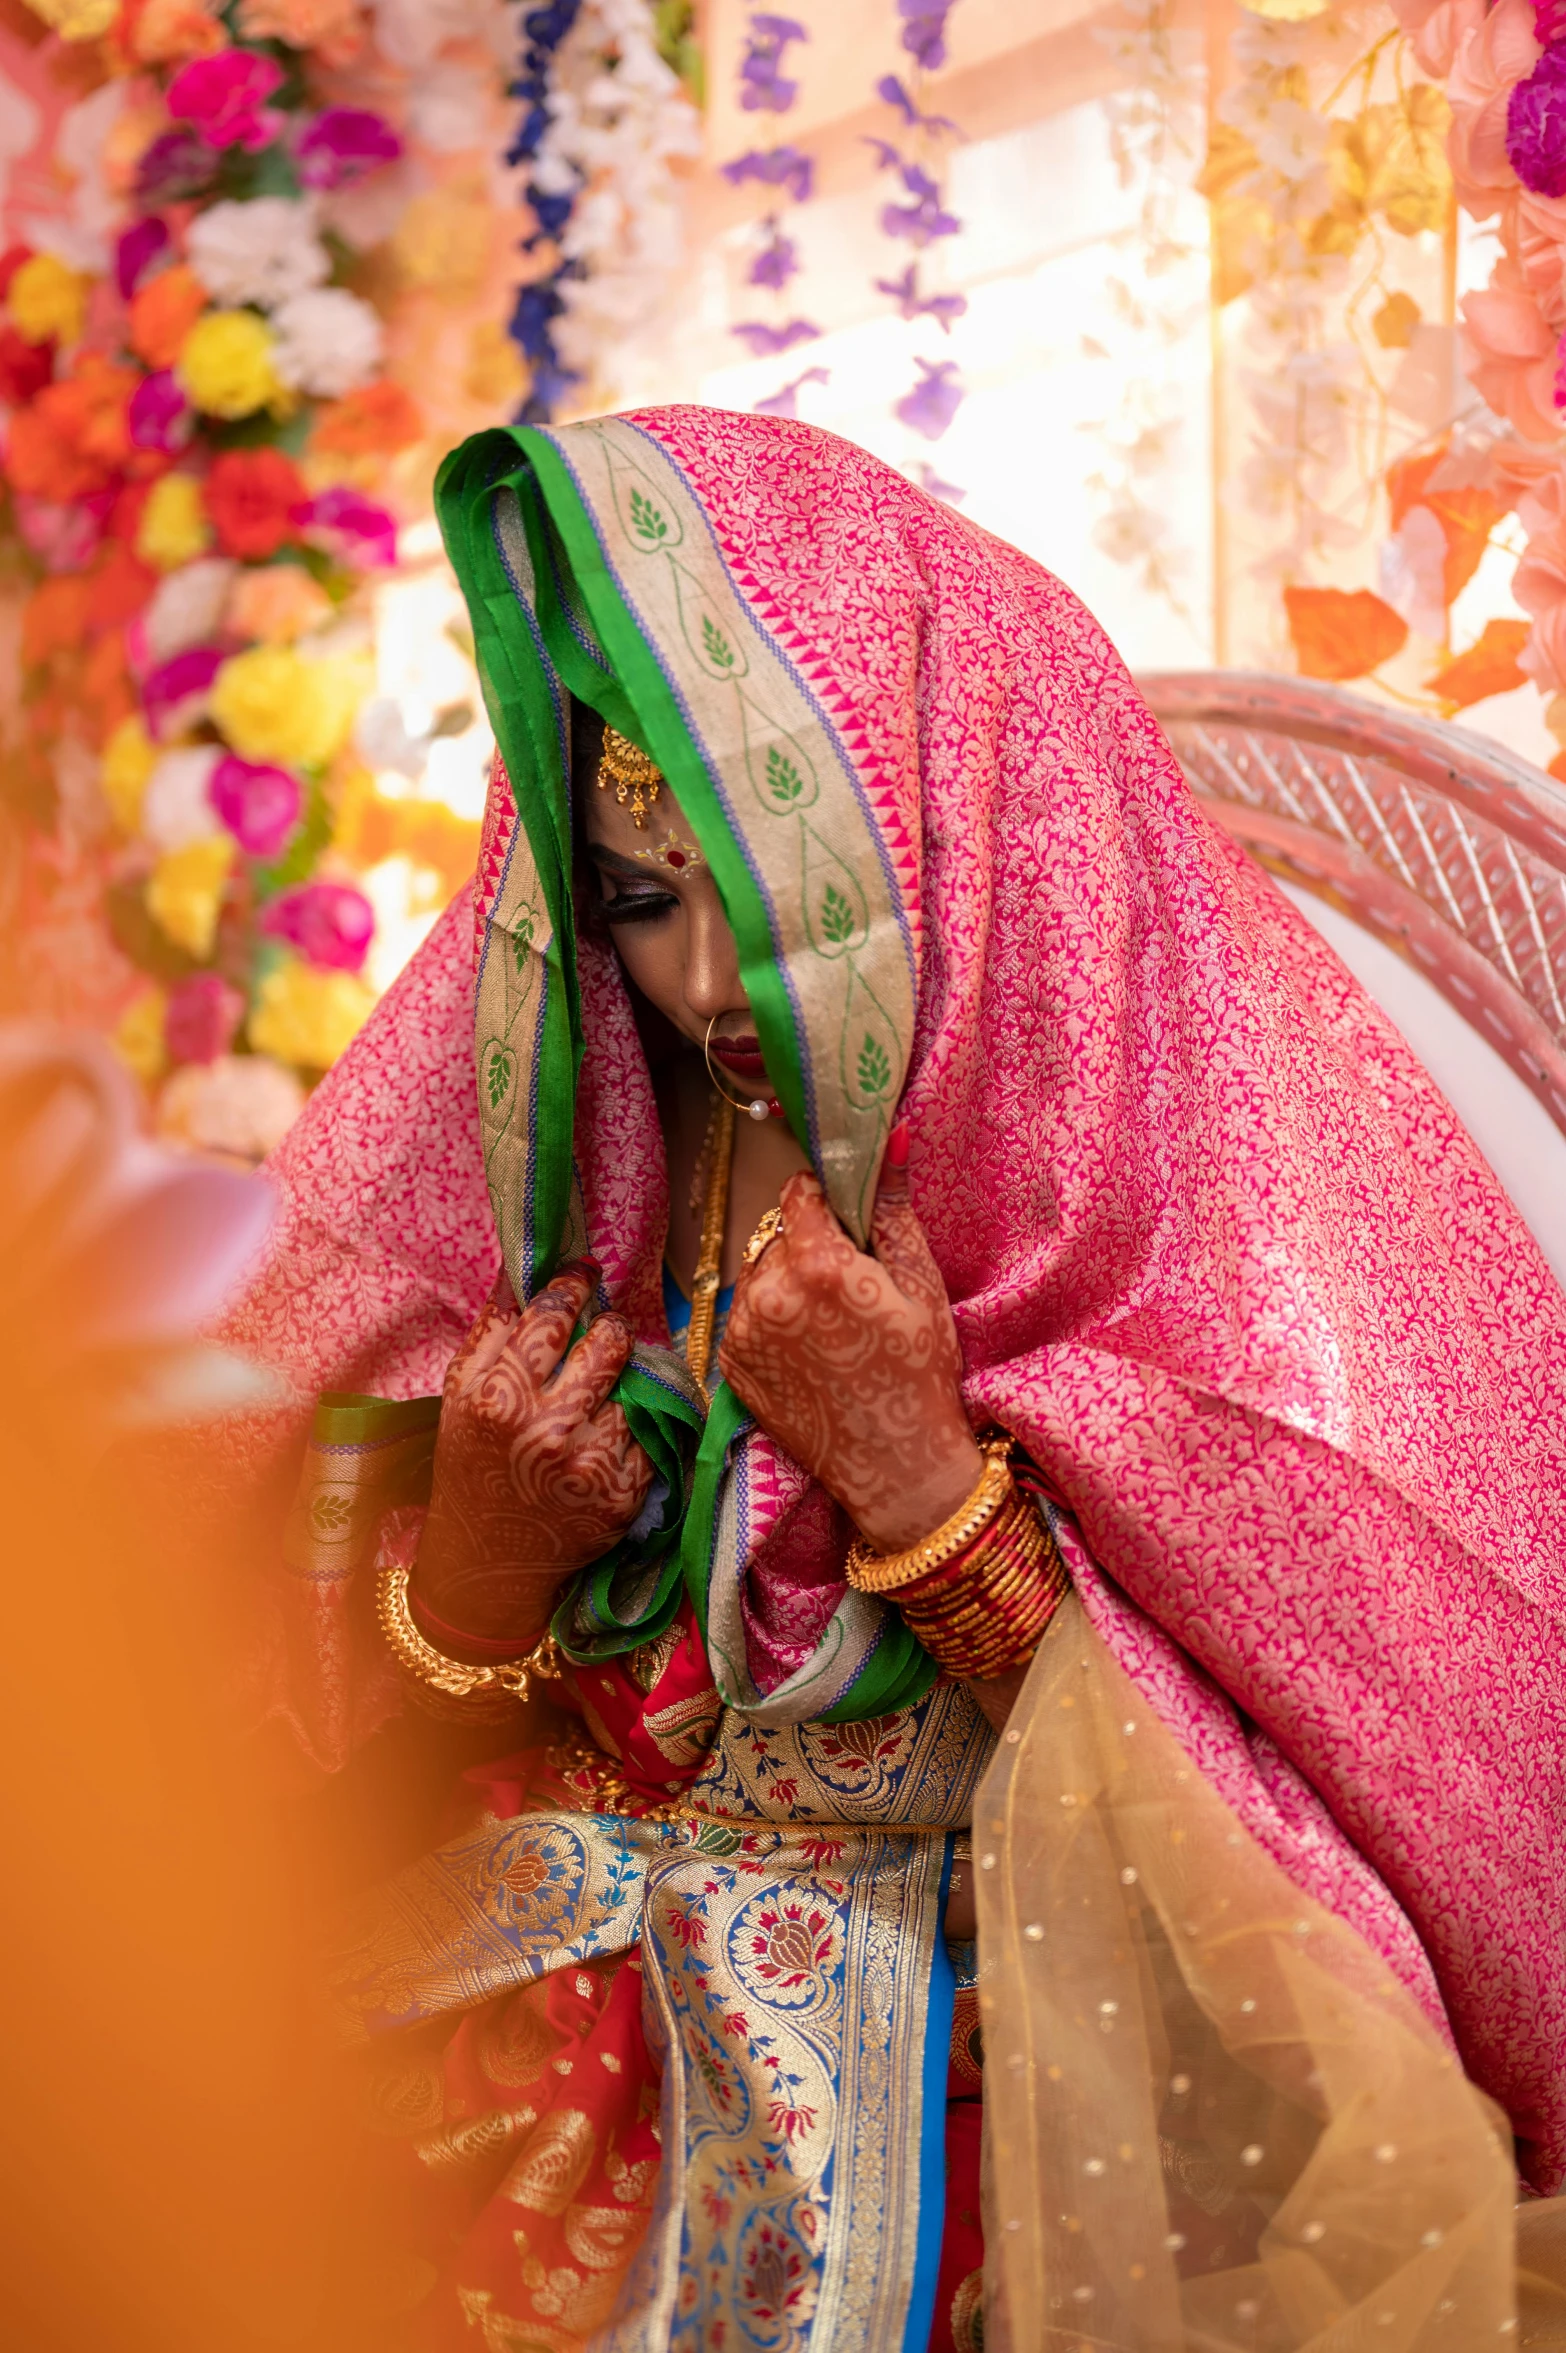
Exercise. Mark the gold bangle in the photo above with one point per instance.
(453, 1678)
(883, 1572)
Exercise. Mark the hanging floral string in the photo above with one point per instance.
(765, 88)
(552, 195)
(920, 219)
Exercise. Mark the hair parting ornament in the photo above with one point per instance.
(636, 780)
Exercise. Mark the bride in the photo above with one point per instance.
(882, 1309)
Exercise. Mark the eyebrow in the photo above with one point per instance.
(633, 869)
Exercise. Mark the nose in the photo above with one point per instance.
(712, 975)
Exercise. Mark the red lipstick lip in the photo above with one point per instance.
(745, 1060)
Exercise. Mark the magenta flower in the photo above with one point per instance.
(138, 248)
(259, 805)
(934, 401)
(158, 414)
(178, 165)
(225, 97)
(331, 923)
(176, 690)
(201, 1018)
(344, 144)
(1549, 22)
(353, 526)
(1536, 127)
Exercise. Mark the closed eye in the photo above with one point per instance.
(638, 906)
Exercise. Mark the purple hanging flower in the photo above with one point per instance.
(159, 416)
(924, 31)
(924, 220)
(931, 481)
(762, 86)
(934, 401)
(259, 804)
(1536, 127)
(135, 252)
(776, 263)
(201, 1018)
(177, 166)
(175, 693)
(911, 304)
(786, 402)
(891, 92)
(763, 341)
(774, 167)
(354, 527)
(344, 144)
(330, 923)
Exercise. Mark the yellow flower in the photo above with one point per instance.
(138, 1037)
(225, 365)
(185, 891)
(174, 528)
(307, 1017)
(129, 757)
(273, 704)
(77, 20)
(47, 301)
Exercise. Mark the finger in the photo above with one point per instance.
(899, 1239)
(592, 1368)
(611, 1430)
(543, 1333)
(810, 1230)
(492, 1328)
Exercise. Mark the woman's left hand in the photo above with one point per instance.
(853, 1363)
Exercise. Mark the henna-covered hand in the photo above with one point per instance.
(535, 1473)
(853, 1363)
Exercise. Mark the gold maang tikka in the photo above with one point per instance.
(637, 781)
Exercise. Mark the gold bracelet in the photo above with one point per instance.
(453, 1678)
(883, 1572)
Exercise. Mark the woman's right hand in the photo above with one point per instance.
(536, 1474)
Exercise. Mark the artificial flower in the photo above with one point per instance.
(1413, 572)
(1492, 58)
(238, 1107)
(343, 144)
(1536, 127)
(25, 368)
(225, 97)
(176, 808)
(259, 804)
(260, 252)
(1339, 634)
(61, 537)
(1437, 30)
(184, 893)
(137, 1037)
(226, 364)
(162, 313)
(159, 415)
(328, 341)
(449, 108)
(276, 604)
(1549, 21)
(202, 1018)
(72, 440)
(1490, 666)
(251, 496)
(273, 705)
(175, 694)
(135, 251)
(1509, 353)
(47, 301)
(165, 32)
(119, 586)
(354, 527)
(127, 762)
(176, 166)
(309, 1017)
(333, 28)
(187, 608)
(330, 923)
(174, 528)
(375, 421)
(934, 401)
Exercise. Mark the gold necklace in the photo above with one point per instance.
(718, 1151)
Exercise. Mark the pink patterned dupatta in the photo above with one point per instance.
(1220, 1254)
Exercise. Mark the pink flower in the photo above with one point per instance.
(1435, 29)
(159, 415)
(330, 923)
(352, 526)
(138, 248)
(1509, 353)
(344, 144)
(202, 1016)
(175, 693)
(259, 805)
(61, 537)
(1536, 234)
(1491, 59)
(224, 96)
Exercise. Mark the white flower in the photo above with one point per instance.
(382, 739)
(261, 252)
(238, 1107)
(411, 33)
(448, 109)
(177, 808)
(1412, 572)
(187, 606)
(328, 342)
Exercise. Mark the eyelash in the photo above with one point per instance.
(638, 906)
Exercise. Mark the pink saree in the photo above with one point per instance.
(1220, 1255)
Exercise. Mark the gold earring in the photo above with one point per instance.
(635, 777)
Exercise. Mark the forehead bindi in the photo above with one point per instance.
(665, 838)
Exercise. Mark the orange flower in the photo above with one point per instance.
(162, 314)
(251, 495)
(1338, 634)
(333, 28)
(1488, 667)
(54, 618)
(375, 421)
(120, 586)
(107, 692)
(74, 437)
(1467, 518)
(167, 32)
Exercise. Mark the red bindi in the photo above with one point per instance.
(674, 857)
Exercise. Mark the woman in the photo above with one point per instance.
(830, 806)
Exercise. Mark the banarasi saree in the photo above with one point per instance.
(1270, 2006)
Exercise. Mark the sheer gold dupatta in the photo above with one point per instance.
(1216, 2123)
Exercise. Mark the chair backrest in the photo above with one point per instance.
(1444, 845)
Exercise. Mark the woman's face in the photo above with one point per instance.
(667, 920)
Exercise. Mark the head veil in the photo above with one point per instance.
(1219, 1253)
